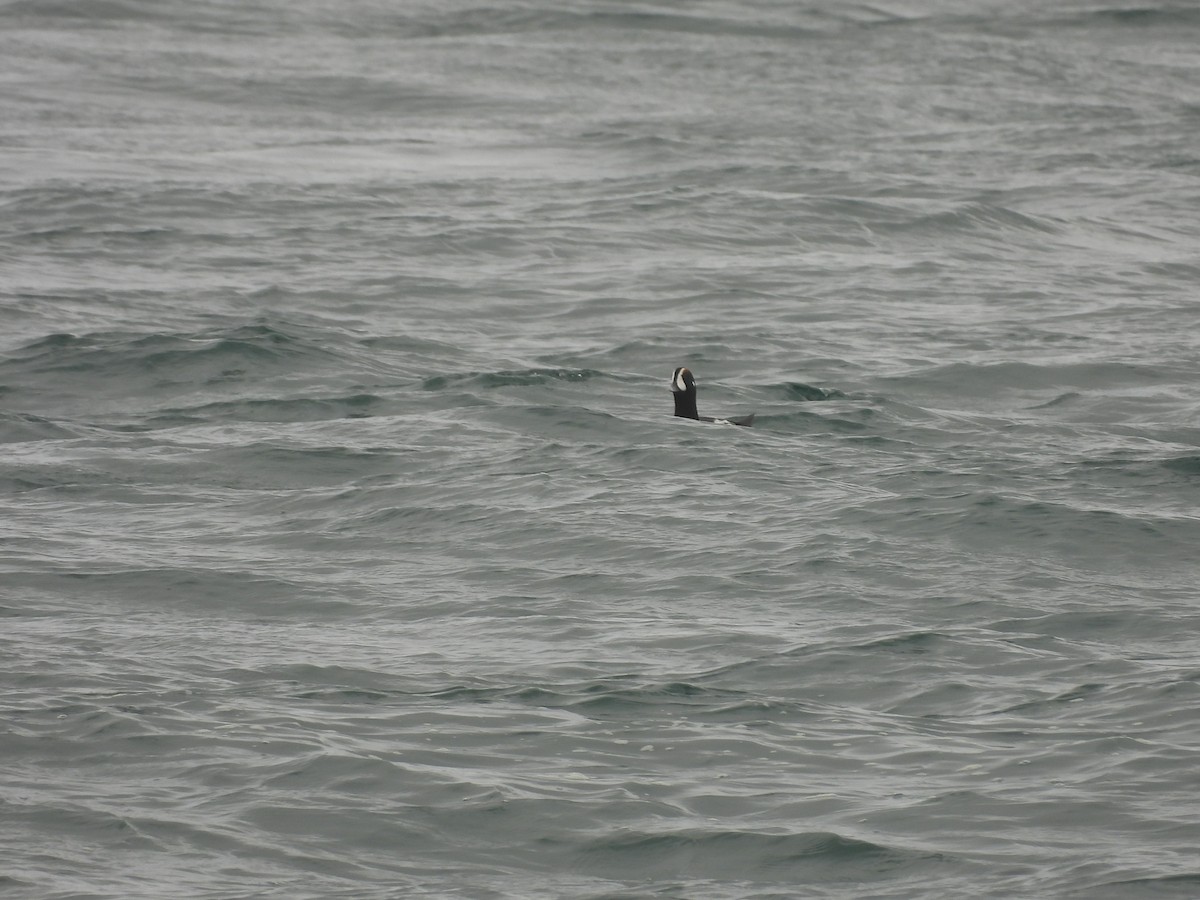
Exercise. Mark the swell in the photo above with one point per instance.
(277, 410)
(229, 351)
(258, 362)
(1123, 16)
(1011, 523)
(18, 428)
(110, 583)
(433, 22)
(135, 375)
(760, 856)
(510, 378)
(990, 379)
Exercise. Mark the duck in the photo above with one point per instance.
(683, 386)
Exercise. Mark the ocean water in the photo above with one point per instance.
(350, 549)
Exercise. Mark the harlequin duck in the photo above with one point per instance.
(683, 386)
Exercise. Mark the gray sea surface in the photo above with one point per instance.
(349, 547)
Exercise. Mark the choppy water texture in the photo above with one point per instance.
(349, 548)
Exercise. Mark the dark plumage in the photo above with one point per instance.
(683, 386)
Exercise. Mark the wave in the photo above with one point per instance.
(91, 10)
(1165, 14)
(1004, 22)
(510, 378)
(1184, 465)
(1180, 885)
(982, 380)
(22, 427)
(758, 856)
(973, 219)
(601, 699)
(759, 22)
(182, 356)
(1004, 522)
(281, 410)
(446, 21)
(797, 391)
(226, 592)
(98, 374)
(1143, 468)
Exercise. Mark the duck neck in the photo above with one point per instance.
(685, 404)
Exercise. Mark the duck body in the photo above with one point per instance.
(683, 388)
